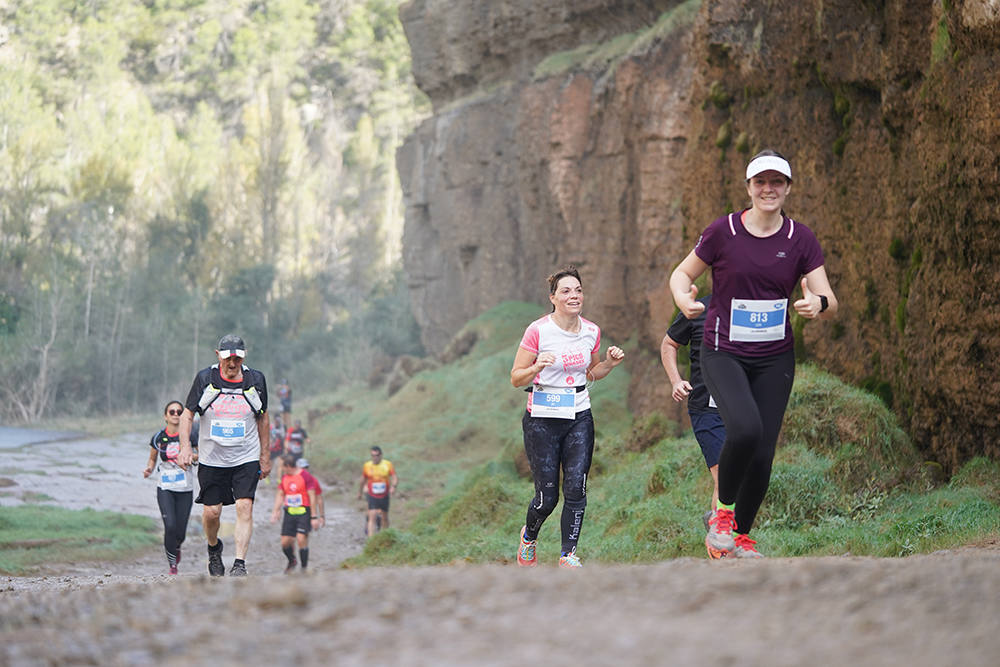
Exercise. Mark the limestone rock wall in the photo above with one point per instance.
(607, 134)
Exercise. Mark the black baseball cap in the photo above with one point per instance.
(232, 344)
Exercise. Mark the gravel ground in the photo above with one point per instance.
(938, 609)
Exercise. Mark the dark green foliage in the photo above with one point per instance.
(241, 300)
(879, 387)
(840, 143)
(897, 249)
(173, 170)
(719, 96)
(724, 137)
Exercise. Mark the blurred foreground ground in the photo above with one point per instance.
(922, 610)
(935, 609)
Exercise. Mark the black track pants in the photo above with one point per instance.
(175, 508)
(752, 393)
(553, 444)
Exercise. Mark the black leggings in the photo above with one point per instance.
(552, 444)
(752, 393)
(175, 508)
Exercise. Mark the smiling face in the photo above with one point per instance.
(768, 190)
(567, 299)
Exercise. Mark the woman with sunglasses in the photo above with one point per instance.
(174, 484)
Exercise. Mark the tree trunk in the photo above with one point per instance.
(90, 296)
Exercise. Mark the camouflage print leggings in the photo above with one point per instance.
(552, 444)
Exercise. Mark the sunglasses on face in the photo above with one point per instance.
(225, 354)
(175, 413)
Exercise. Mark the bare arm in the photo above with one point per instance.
(321, 507)
(185, 456)
(599, 369)
(527, 365)
(279, 498)
(682, 286)
(395, 482)
(264, 432)
(668, 357)
(150, 463)
(313, 507)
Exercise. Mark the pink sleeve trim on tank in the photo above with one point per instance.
(597, 341)
(530, 339)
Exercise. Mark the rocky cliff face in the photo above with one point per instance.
(608, 133)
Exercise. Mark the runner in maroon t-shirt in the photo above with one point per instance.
(758, 257)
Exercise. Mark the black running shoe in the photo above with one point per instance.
(216, 568)
(292, 564)
(238, 570)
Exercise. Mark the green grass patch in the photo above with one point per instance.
(35, 534)
(441, 423)
(607, 55)
(941, 48)
(104, 427)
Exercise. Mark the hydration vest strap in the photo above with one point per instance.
(208, 397)
(253, 399)
(249, 391)
(251, 395)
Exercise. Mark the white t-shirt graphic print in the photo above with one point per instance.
(573, 352)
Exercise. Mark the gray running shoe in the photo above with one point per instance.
(719, 540)
(705, 518)
(238, 570)
(745, 548)
(216, 568)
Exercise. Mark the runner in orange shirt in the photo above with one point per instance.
(378, 480)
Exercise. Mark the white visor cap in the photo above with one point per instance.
(769, 163)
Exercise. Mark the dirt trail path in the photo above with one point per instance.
(939, 609)
(106, 474)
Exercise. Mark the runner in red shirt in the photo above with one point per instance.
(299, 503)
(312, 483)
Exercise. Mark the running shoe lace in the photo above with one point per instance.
(745, 542)
(527, 551)
(724, 521)
(570, 560)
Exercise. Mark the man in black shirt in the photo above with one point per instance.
(706, 421)
(233, 446)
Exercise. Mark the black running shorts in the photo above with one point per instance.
(222, 486)
(379, 503)
(293, 524)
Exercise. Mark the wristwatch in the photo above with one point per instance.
(824, 303)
